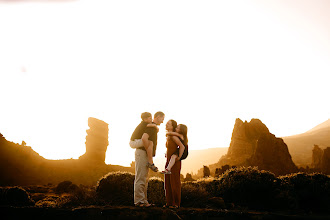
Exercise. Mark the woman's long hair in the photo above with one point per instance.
(184, 131)
(174, 124)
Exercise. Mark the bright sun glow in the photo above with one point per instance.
(203, 64)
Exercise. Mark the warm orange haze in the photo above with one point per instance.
(202, 64)
(92, 90)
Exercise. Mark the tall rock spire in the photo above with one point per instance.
(96, 141)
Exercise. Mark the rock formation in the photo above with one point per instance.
(317, 157)
(253, 145)
(21, 165)
(325, 163)
(96, 141)
(244, 140)
(272, 154)
(206, 171)
(321, 159)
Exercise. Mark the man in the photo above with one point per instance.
(136, 138)
(141, 162)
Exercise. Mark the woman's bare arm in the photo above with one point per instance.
(172, 133)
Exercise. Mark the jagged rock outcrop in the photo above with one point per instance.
(206, 171)
(325, 163)
(321, 159)
(253, 145)
(96, 141)
(317, 157)
(272, 154)
(244, 139)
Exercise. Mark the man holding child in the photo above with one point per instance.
(144, 140)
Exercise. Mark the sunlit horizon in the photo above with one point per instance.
(203, 64)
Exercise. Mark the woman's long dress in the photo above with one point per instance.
(172, 181)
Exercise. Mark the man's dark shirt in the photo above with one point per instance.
(152, 132)
(139, 131)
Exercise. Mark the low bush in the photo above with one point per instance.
(116, 188)
(310, 191)
(156, 192)
(248, 186)
(15, 196)
(66, 187)
(211, 185)
(193, 195)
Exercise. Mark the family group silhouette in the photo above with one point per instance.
(144, 140)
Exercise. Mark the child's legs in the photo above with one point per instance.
(149, 150)
(172, 161)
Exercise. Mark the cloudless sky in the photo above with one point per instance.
(203, 63)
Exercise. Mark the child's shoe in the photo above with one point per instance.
(152, 167)
(166, 171)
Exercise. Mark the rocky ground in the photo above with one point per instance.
(129, 212)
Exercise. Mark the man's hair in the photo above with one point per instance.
(145, 115)
(158, 114)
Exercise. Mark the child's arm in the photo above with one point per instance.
(181, 146)
(172, 133)
(152, 126)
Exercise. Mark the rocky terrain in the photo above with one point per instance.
(321, 159)
(21, 165)
(253, 145)
(128, 212)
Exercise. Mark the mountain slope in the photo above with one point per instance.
(323, 125)
(301, 145)
(196, 159)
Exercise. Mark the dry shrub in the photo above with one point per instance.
(116, 188)
(48, 202)
(248, 186)
(66, 187)
(310, 191)
(211, 185)
(156, 192)
(15, 196)
(193, 195)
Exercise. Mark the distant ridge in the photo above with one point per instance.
(301, 145)
(323, 125)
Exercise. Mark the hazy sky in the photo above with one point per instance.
(203, 63)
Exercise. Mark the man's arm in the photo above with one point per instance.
(181, 146)
(145, 140)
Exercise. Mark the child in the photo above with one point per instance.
(181, 132)
(136, 141)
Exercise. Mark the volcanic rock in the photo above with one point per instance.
(253, 145)
(325, 163)
(317, 157)
(272, 154)
(96, 141)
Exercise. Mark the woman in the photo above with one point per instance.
(172, 181)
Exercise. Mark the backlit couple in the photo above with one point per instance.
(144, 140)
